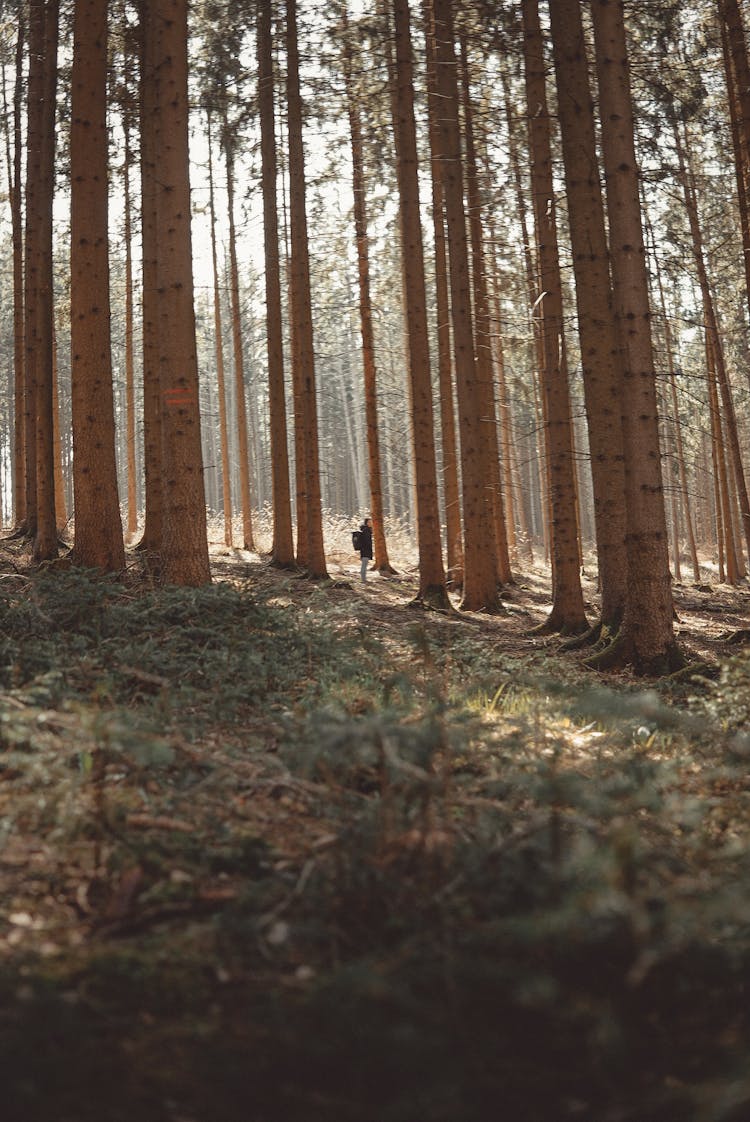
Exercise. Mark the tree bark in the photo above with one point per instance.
(309, 507)
(45, 537)
(132, 462)
(646, 638)
(600, 353)
(382, 561)
(480, 561)
(482, 332)
(454, 533)
(98, 527)
(226, 482)
(153, 530)
(184, 544)
(16, 209)
(568, 615)
(239, 362)
(282, 549)
(712, 326)
(432, 589)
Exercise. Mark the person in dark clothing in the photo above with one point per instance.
(365, 550)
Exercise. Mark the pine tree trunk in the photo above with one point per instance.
(184, 545)
(311, 551)
(600, 353)
(61, 514)
(725, 524)
(45, 537)
(132, 476)
(153, 530)
(226, 482)
(737, 72)
(712, 326)
(482, 333)
(646, 637)
(282, 549)
(239, 362)
(382, 561)
(32, 260)
(454, 533)
(480, 561)
(98, 528)
(684, 493)
(432, 589)
(541, 460)
(568, 615)
(16, 210)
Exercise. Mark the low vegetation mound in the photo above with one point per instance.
(275, 850)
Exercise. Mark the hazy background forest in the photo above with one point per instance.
(679, 78)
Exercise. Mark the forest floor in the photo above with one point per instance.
(279, 849)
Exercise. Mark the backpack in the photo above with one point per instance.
(357, 540)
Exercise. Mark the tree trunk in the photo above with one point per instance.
(725, 523)
(482, 333)
(153, 530)
(712, 326)
(568, 615)
(310, 550)
(480, 562)
(226, 482)
(737, 77)
(16, 210)
(184, 545)
(45, 537)
(541, 461)
(61, 514)
(132, 480)
(669, 347)
(646, 637)
(432, 589)
(98, 527)
(239, 362)
(454, 533)
(282, 549)
(600, 353)
(365, 309)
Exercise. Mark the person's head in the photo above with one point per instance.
(368, 522)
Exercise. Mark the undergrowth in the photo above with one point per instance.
(261, 863)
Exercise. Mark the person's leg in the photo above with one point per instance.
(363, 567)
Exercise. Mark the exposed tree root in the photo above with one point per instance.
(737, 638)
(556, 625)
(385, 570)
(283, 566)
(621, 654)
(588, 638)
(434, 599)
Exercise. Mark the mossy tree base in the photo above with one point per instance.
(557, 624)
(621, 654)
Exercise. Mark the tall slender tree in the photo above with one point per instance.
(282, 548)
(310, 551)
(151, 541)
(98, 527)
(365, 302)
(600, 353)
(184, 548)
(646, 638)
(480, 559)
(432, 588)
(451, 488)
(568, 615)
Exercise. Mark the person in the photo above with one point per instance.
(365, 549)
